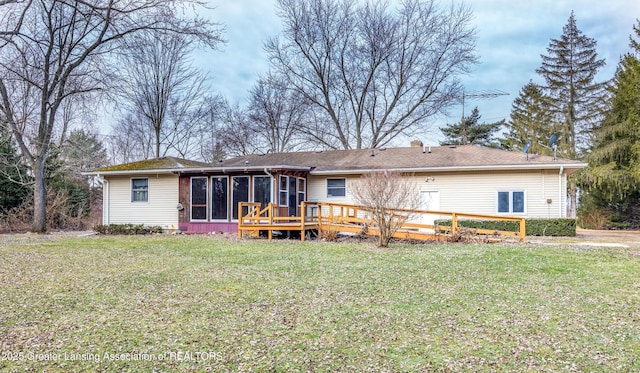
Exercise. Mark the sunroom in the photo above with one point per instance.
(209, 199)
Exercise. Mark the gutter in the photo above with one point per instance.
(273, 192)
(457, 168)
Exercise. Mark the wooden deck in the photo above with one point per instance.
(342, 218)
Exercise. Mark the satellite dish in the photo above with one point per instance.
(527, 146)
(552, 140)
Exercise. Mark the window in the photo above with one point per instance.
(140, 190)
(284, 191)
(219, 197)
(511, 202)
(302, 190)
(198, 198)
(262, 190)
(239, 193)
(336, 188)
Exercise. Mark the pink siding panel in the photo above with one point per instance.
(204, 227)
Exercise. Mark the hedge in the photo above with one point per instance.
(534, 227)
(127, 229)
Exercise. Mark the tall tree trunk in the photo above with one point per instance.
(573, 198)
(157, 128)
(39, 197)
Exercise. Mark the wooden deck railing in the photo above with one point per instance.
(267, 219)
(344, 218)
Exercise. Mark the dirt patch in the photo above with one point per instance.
(588, 237)
(35, 237)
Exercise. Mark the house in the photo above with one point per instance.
(178, 194)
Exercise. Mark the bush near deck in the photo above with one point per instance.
(534, 227)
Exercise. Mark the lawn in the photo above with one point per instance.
(184, 303)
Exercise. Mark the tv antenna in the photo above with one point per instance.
(526, 149)
(552, 145)
(481, 94)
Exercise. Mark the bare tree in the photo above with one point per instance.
(237, 133)
(54, 50)
(130, 139)
(277, 114)
(373, 73)
(388, 196)
(213, 146)
(160, 83)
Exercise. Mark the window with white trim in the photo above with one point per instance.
(239, 193)
(219, 197)
(199, 198)
(262, 190)
(283, 198)
(336, 187)
(511, 202)
(140, 190)
(302, 188)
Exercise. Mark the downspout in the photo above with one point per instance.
(560, 188)
(105, 197)
(272, 183)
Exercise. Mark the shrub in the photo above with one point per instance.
(127, 229)
(534, 227)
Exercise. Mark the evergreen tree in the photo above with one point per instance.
(530, 120)
(576, 99)
(470, 132)
(13, 174)
(82, 151)
(613, 177)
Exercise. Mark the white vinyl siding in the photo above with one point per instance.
(475, 192)
(160, 210)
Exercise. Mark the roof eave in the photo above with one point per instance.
(544, 166)
(197, 170)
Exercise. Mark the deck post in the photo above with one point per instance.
(454, 224)
(303, 208)
(523, 229)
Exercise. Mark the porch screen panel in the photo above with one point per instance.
(219, 198)
(198, 198)
(262, 190)
(240, 193)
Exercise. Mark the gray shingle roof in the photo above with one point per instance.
(467, 156)
(439, 158)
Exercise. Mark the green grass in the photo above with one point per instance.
(208, 304)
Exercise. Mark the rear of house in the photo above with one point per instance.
(199, 197)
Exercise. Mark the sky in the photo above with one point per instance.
(511, 37)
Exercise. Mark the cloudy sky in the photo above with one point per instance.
(511, 37)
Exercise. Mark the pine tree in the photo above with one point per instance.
(576, 99)
(613, 176)
(13, 174)
(530, 120)
(470, 132)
